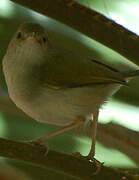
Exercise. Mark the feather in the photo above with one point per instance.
(68, 71)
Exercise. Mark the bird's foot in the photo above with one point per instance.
(97, 163)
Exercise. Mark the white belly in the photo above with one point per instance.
(62, 107)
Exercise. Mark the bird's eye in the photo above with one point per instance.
(19, 35)
(44, 39)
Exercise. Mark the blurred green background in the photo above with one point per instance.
(122, 109)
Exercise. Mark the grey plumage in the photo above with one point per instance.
(55, 86)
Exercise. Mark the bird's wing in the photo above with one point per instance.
(68, 71)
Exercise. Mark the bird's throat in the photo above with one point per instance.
(23, 76)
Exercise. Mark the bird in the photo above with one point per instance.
(56, 86)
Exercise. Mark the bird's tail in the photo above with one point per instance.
(128, 74)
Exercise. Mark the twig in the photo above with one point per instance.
(77, 168)
(90, 23)
(118, 137)
(110, 135)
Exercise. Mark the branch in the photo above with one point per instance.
(110, 135)
(120, 138)
(90, 23)
(56, 161)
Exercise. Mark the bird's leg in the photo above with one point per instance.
(38, 141)
(93, 136)
(91, 154)
(93, 128)
(66, 128)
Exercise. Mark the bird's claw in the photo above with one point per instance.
(97, 163)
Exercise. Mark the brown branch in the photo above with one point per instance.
(110, 135)
(120, 138)
(90, 23)
(55, 161)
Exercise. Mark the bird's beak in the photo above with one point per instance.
(32, 37)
